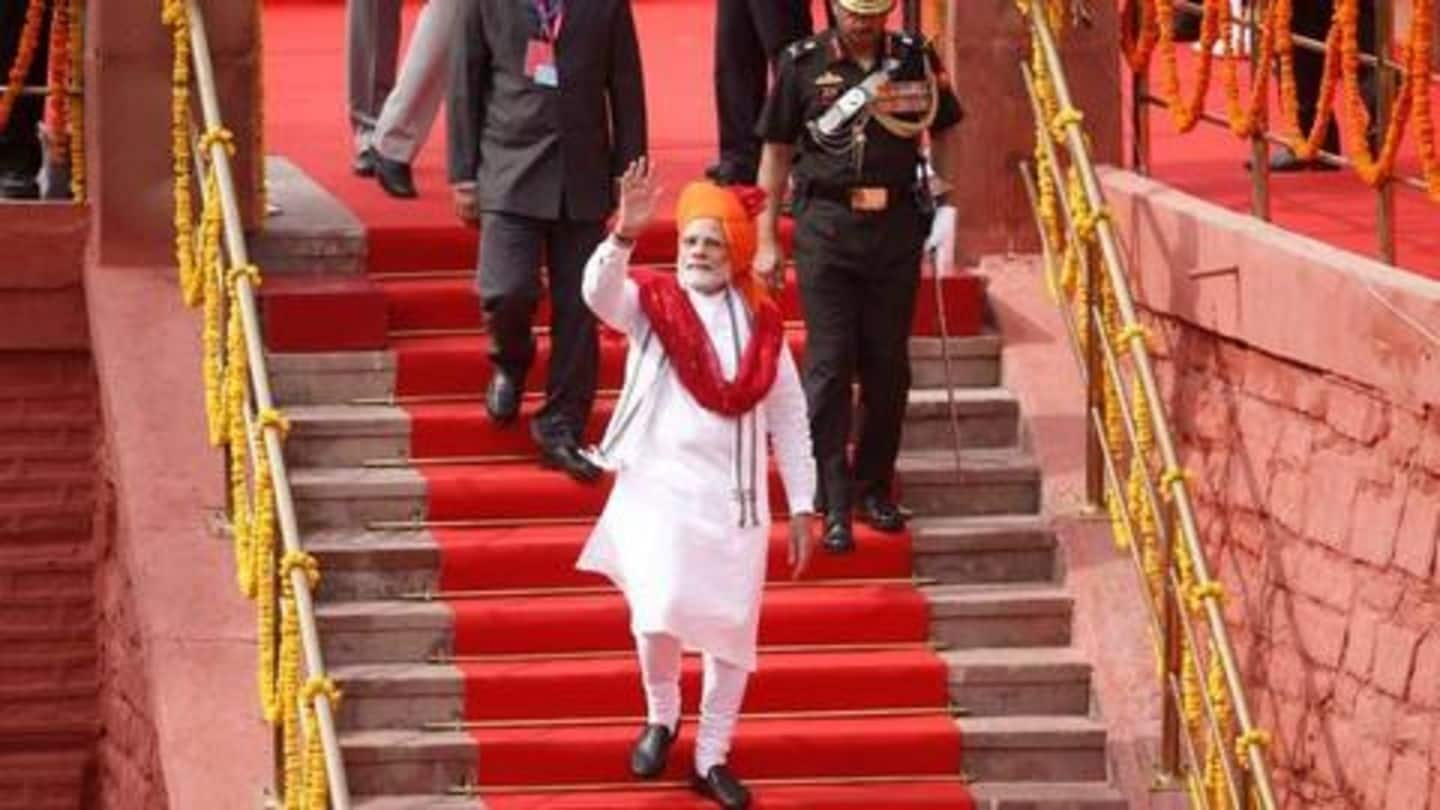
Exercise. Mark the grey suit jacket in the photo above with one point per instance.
(544, 152)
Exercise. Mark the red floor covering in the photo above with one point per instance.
(1334, 207)
(861, 599)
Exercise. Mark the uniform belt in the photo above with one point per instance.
(859, 196)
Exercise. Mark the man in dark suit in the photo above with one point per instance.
(546, 108)
(748, 36)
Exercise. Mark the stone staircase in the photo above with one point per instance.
(998, 613)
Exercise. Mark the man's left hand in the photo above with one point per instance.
(940, 244)
(800, 545)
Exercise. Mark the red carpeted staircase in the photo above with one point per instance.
(481, 669)
(929, 670)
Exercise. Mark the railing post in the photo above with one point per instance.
(1173, 652)
(1385, 109)
(1259, 147)
(1095, 383)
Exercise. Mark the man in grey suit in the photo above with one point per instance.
(546, 108)
(372, 45)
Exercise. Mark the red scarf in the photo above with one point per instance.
(684, 338)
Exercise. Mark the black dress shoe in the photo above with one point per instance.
(364, 165)
(567, 458)
(394, 177)
(729, 173)
(882, 513)
(722, 786)
(648, 757)
(839, 536)
(502, 398)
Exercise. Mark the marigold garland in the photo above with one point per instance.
(75, 109)
(57, 101)
(24, 56)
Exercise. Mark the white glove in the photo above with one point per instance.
(940, 244)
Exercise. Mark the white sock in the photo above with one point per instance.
(660, 671)
(719, 709)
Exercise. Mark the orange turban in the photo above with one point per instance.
(735, 207)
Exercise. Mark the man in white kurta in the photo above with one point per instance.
(685, 532)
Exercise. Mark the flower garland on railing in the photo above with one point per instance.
(1186, 112)
(206, 283)
(75, 108)
(1422, 56)
(1371, 169)
(1247, 118)
(24, 56)
(57, 101)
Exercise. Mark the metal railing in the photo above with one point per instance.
(247, 423)
(1269, 36)
(1209, 744)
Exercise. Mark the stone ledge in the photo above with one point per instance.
(1279, 292)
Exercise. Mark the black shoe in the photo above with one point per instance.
(567, 458)
(722, 786)
(882, 513)
(18, 185)
(648, 757)
(502, 398)
(364, 165)
(839, 536)
(394, 177)
(729, 173)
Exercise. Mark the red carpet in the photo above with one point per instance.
(852, 647)
(544, 556)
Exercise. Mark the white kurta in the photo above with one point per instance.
(684, 534)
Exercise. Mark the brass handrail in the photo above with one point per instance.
(270, 433)
(1182, 598)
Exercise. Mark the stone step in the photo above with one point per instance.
(987, 795)
(961, 617)
(312, 378)
(992, 481)
(987, 481)
(996, 795)
(342, 435)
(987, 681)
(367, 564)
(996, 749)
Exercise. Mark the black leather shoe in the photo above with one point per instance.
(567, 458)
(394, 177)
(364, 165)
(882, 513)
(502, 398)
(839, 536)
(722, 786)
(728, 173)
(648, 757)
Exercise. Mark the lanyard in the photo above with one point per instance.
(552, 14)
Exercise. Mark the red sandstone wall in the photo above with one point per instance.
(47, 614)
(1305, 389)
(1320, 502)
(49, 415)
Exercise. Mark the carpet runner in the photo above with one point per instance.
(850, 707)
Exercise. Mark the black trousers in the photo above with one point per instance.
(748, 36)
(20, 155)
(1312, 19)
(512, 250)
(859, 275)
